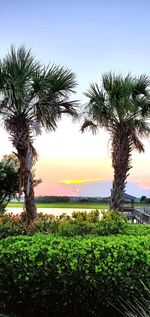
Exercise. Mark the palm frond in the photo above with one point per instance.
(53, 86)
(107, 82)
(61, 80)
(145, 107)
(20, 64)
(117, 85)
(141, 127)
(89, 124)
(70, 107)
(16, 73)
(98, 109)
(137, 144)
(46, 114)
(141, 86)
(94, 93)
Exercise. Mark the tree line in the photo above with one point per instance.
(34, 96)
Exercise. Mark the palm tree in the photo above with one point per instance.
(121, 106)
(32, 96)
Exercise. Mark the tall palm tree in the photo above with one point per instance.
(32, 97)
(121, 106)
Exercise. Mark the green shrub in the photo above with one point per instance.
(91, 216)
(49, 274)
(11, 225)
(112, 222)
(74, 228)
(81, 223)
(137, 229)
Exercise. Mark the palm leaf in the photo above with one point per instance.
(141, 85)
(89, 124)
(61, 80)
(137, 144)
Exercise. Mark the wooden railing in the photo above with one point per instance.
(140, 215)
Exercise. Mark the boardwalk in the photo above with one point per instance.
(138, 215)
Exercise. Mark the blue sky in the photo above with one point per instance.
(89, 37)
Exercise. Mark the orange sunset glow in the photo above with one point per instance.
(75, 164)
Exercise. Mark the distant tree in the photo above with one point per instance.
(33, 97)
(52, 199)
(121, 106)
(143, 199)
(9, 180)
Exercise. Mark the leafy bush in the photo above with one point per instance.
(112, 222)
(80, 223)
(74, 228)
(136, 229)
(11, 225)
(93, 216)
(49, 274)
(9, 180)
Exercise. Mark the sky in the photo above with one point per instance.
(90, 38)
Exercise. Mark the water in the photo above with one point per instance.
(49, 211)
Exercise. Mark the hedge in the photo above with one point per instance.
(80, 223)
(136, 229)
(50, 274)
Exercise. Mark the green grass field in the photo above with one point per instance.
(64, 205)
(67, 205)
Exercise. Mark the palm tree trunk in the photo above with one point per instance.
(30, 205)
(121, 162)
(26, 155)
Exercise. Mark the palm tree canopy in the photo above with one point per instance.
(32, 93)
(32, 96)
(122, 101)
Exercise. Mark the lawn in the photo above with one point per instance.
(78, 205)
(64, 205)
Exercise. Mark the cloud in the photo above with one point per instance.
(144, 184)
(79, 181)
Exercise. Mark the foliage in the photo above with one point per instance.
(9, 180)
(136, 229)
(81, 223)
(59, 199)
(92, 216)
(48, 274)
(112, 222)
(144, 200)
(52, 199)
